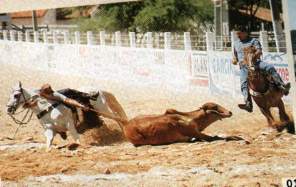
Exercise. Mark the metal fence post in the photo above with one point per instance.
(187, 41)
(45, 38)
(5, 36)
(132, 39)
(19, 36)
(210, 48)
(118, 38)
(36, 37)
(27, 35)
(157, 45)
(233, 40)
(55, 37)
(264, 40)
(102, 38)
(167, 40)
(77, 37)
(149, 40)
(89, 36)
(66, 37)
(12, 35)
(210, 41)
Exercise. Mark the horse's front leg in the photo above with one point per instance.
(266, 112)
(49, 134)
(285, 119)
(73, 131)
(282, 112)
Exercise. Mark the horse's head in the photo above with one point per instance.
(17, 98)
(250, 57)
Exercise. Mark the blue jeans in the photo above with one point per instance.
(263, 66)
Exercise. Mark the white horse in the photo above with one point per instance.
(56, 117)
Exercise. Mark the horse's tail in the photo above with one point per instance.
(115, 106)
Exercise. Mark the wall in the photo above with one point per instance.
(171, 69)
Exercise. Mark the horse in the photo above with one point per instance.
(56, 117)
(265, 94)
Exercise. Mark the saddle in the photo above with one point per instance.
(81, 97)
(271, 84)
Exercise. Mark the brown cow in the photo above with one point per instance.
(174, 126)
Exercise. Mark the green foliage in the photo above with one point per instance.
(86, 24)
(250, 8)
(152, 15)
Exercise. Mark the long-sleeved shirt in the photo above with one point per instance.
(241, 44)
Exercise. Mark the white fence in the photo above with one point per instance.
(166, 40)
(166, 68)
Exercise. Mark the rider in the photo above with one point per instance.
(245, 41)
(47, 92)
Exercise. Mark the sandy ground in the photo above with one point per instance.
(106, 159)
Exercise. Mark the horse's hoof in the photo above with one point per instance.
(73, 146)
(290, 127)
(280, 128)
(63, 135)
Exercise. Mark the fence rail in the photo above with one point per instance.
(166, 40)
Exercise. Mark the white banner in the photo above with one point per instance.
(175, 69)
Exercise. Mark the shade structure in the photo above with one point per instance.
(7, 6)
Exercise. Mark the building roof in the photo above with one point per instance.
(7, 6)
(27, 14)
(262, 13)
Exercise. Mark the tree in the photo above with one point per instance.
(250, 7)
(112, 17)
(154, 15)
(174, 15)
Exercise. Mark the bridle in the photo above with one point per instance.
(26, 118)
(251, 68)
(254, 73)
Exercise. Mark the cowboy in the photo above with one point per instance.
(47, 92)
(245, 41)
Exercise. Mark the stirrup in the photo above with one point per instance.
(286, 88)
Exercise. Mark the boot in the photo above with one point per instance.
(285, 88)
(248, 106)
(94, 96)
(280, 83)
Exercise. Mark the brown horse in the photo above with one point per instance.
(265, 94)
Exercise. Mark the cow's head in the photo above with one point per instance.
(216, 110)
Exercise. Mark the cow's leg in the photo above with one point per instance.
(49, 134)
(202, 136)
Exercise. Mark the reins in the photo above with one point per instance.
(25, 119)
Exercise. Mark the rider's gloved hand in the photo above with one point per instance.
(85, 108)
(234, 61)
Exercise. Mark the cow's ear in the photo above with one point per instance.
(204, 107)
(170, 111)
(212, 112)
